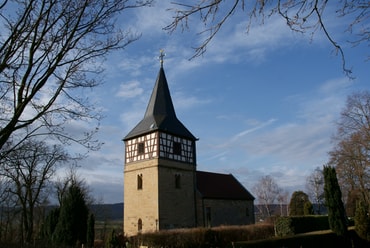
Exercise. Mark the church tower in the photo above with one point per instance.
(160, 168)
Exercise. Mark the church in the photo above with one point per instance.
(162, 188)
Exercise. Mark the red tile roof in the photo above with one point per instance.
(221, 186)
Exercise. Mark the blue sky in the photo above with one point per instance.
(262, 103)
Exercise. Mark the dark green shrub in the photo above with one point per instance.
(112, 242)
(362, 221)
(300, 224)
(297, 203)
(351, 222)
(283, 226)
(303, 224)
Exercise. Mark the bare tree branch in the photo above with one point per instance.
(49, 53)
(300, 16)
(351, 153)
(28, 170)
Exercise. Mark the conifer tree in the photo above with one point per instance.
(90, 231)
(333, 201)
(72, 225)
(297, 203)
(50, 224)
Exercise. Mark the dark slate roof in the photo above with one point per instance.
(160, 113)
(221, 186)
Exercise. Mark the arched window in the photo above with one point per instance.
(140, 181)
(139, 225)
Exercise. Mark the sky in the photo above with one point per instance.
(261, 103)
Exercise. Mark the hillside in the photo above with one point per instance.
(107, 211)
(115, 211)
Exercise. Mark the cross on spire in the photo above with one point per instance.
(161, 56)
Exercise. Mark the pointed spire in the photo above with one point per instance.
(160, 103)
(160, 112)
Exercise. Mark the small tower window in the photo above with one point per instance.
(176, 148)
(140, 181)
(139, 225)
(140, 148)
(177, 181)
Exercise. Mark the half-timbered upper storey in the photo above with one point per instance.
(160, 134)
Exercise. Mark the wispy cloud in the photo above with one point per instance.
(183, 101)
(136, 65)
(252, 46)
(251, 130)
(130, 90)
(335, 85)
(152, 19)
(287, 150)
(130, 119)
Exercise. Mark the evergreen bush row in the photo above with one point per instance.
(300, 224)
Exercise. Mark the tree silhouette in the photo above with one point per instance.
(50, 51)
(333, 201)
(72, 224)
(29, 170)
(351, 153)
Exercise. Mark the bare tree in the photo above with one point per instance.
(267, 192)
(315, 188)
(7, 210)
(50, 51)
(300, 16)
(29, 169)
(72, 178)
(351, 153)
(283, 202)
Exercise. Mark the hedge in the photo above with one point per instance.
(300, 224)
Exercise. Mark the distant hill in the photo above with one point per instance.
(107, 211)
(115, 211)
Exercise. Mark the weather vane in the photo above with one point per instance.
(161, 56)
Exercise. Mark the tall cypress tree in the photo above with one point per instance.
(333, 201)
(72, 225)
